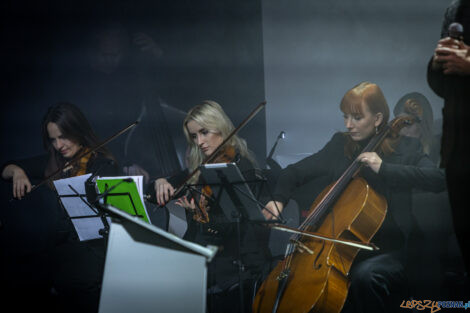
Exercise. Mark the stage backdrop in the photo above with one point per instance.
(314, 51)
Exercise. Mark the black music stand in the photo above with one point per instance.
(233, 195)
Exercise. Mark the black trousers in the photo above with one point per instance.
(457, 183)
(77, 275)
(378, 284)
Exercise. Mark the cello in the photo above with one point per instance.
(313, 276)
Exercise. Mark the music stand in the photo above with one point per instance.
(233, 195)
(89, 222)
(232, 192)
(123, 196)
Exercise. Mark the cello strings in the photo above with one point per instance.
(334, 192)
(342, 182)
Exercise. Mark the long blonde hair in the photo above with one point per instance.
(373, 98)
(210, 115)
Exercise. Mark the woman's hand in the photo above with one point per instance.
(370, 159)
(21, 183)
(163, 190)
(272, 210)
(188, 205)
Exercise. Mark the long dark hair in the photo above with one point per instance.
(417, 105)
(74, 126)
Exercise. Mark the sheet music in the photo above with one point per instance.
(139, 182)
(86, 228)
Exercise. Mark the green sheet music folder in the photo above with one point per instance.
(124, 196)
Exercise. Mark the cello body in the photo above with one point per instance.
(313, 277)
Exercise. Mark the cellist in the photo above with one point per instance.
(39, 245)
(378, 280)
(206, 126)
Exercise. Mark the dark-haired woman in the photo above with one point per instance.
(416, 105)
(378, 279)
(37, 239)
(65, 132)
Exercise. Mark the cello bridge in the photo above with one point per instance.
(301, 247)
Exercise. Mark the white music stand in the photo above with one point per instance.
(150, 270)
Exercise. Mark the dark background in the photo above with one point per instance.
(211, 50)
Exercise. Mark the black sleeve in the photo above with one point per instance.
(416, 170)
(178, 178)
(307, 169)
(247, 169)
(34, 167)
(436, 80)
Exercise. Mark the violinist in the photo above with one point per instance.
(40, 244)
(416, 105)
(205, 127)
(65, 132)
(378, 279)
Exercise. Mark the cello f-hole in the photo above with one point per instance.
(315, 265)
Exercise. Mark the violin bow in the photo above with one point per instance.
(360, 245)
(84, 153)
(214, 153)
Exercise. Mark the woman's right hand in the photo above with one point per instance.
(21, 183)
(163, 190)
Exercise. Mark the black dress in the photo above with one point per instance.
(223, 270)
(40, 249)
(375, 275)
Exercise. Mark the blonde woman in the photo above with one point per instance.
(206, 126)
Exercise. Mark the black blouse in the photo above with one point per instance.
(254, 237)
(406, 168)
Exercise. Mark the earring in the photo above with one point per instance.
(376, 130)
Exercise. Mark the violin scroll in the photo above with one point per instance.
(399, 122)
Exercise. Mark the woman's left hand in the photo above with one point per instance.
(371, 159)
(188, 205)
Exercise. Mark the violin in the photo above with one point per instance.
(81, 159)
(224, 155)
(210, 159)
(79, 167)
